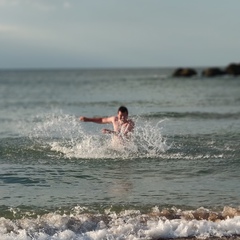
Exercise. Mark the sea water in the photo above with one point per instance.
(63, 179)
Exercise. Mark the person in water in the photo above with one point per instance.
(122, 126)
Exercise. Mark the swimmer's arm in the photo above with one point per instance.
(108, 131)
(97, 120)
(129, 128)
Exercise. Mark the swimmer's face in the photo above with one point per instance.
(122, 116)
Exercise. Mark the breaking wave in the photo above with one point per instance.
(80, 223)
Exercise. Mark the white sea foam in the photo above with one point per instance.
(130, 224)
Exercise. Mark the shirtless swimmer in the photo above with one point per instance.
(122, 126)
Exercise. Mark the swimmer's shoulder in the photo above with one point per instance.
(112, 119)
(115, 118)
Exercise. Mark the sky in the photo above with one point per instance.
(118, 33)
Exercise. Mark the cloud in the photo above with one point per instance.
(67, 4)
(4, 3)
(7, 28)
(43, 5)
(30, 37)
(116, 32)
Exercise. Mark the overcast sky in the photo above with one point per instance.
(118, 33)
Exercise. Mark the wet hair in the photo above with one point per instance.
(123, 109)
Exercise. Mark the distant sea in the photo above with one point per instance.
(60, 178)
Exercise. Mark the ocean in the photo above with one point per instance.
(60, 178)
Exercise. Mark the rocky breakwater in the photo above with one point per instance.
(233, 69)
(184, 72)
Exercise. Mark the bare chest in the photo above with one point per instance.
(119, 127)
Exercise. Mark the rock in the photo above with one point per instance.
(212, 72)
(184, 72)
(230, 212)
(233, 69)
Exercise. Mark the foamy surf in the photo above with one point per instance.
(127, 224)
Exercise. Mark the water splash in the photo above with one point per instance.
(149, 139)
(67, 136)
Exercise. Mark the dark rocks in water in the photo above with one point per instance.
(233, 69)
(184, 72)
(212, 72)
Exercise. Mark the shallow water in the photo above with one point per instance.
(62, 179)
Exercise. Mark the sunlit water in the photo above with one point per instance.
(60, 178)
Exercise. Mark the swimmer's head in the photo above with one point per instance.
(123, 114)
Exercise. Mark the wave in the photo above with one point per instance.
(61, 136)
(81, 223)
(193, 115)
(94, 147)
